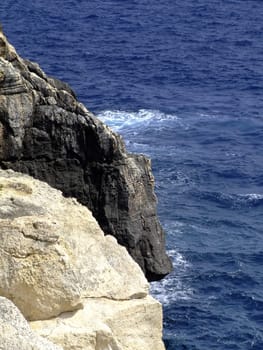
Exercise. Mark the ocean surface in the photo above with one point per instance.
(182, 82)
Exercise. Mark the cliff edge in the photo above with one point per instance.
(47, 133)
(78, 288)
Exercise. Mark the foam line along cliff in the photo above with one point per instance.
(47, 133)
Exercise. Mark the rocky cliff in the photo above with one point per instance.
(47, 133)
(79, 288)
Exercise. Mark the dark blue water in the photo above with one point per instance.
(182, 82)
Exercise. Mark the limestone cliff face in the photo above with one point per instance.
(79, 288)
(16, 333)
(54, 254)
(47, 133)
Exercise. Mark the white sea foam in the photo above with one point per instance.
(172, 287)
(252, 196)
(119, 120)
(249, 199)
(234, 200)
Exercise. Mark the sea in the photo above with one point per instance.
(181, 81)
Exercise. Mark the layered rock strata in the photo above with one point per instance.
(47, 133)
(79, 288)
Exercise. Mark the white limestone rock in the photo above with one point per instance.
(15, 332)
(107, 325)
(79, 288)
(53, 254)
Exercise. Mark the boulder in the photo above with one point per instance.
(80, 288)
(47, 133)
(16, 333)
(54, 254)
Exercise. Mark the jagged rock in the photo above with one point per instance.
(104, 324)
(54, 254)
(10, 80)
(47, 133)
(15, 332)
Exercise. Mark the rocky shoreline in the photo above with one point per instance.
(66, 282)
(46, 133)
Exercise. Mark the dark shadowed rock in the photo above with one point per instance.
(47, 133)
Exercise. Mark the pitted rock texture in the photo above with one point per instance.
(107, 325)
(53, 253)
(79, 288)
(15, 332)
(47, 133)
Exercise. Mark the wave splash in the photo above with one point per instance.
(172, 288)
(120, 120)
(232, 201)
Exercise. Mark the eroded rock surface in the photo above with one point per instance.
(47, 133)
(80, 288)
(104, 324)
(15, 332)
(53, 253)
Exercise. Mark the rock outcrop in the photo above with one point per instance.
(47, 133)
(15, 332)
(80, 289)
(54, 254)
(107, 324)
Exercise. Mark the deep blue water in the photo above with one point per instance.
(182, 82)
